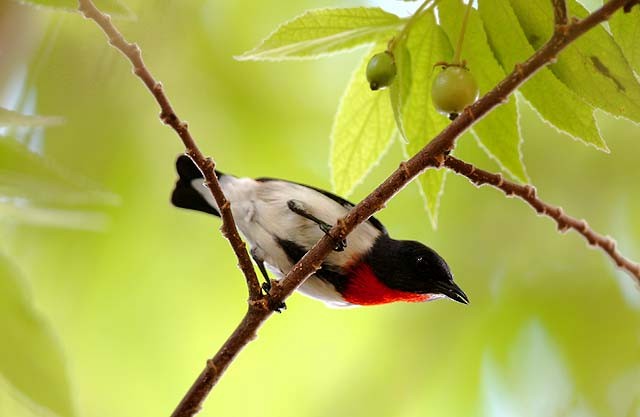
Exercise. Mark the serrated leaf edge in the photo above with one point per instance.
(251, 54)
(605, 147)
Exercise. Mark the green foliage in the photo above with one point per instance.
(626, 31)
(113, 7)
(498, 132)
(322, 32)
(362, 130)
(53, 196)
(28, 175)
(11, 119)
(592, 73)
(553, 100)
(411, 98)
(593, 67)
(31, 360)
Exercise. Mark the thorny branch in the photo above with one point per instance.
(529, 194)
(169, 117)
(432, 155)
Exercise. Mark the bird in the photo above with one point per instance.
(281, 220)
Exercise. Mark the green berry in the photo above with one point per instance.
(381, 70)
(453, 90)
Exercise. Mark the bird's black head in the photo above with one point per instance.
(413, 267)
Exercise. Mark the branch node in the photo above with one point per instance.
(563, 29)
(562, 226)
(559, 213)
(438, 160)
(341, 227)
(530, 192)
(212, 366)
(405, 169)
(168, 118)
(518, 68)
(467, 110)
(209, 164)
(134, 49)
(472, 169)
(583, 226)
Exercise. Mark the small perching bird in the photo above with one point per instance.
(282, 220)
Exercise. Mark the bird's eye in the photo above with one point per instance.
(420, 260)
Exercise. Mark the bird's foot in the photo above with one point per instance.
(277, 307)
(298, 208)
(340, 245)
(266, 287)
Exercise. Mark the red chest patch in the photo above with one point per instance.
(364, 288)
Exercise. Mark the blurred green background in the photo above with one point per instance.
(120, 297)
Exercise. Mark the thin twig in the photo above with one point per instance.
(169, 117)
(430, 156)
(565, 222)
(560, 14)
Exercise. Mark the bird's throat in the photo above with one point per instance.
(364, 288)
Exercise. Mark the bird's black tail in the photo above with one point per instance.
(187, 192)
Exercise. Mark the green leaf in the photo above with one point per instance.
(416, 117)
(593, 67)
(497, 133)
(323, 32)
(31, 359)
(14, 403)
(53, 217)
(626, 31)
(553, 100)
(113, 7)
(12, 118)
(30, 176)
(362, 130)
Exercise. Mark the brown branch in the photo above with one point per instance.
(560, 13)
(565, 222)
(169, 117)
(627, 7)
(430, 156)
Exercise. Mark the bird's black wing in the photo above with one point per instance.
(344, 203)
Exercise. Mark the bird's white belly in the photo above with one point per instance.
(263, 216)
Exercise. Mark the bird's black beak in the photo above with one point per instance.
(452, 291)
